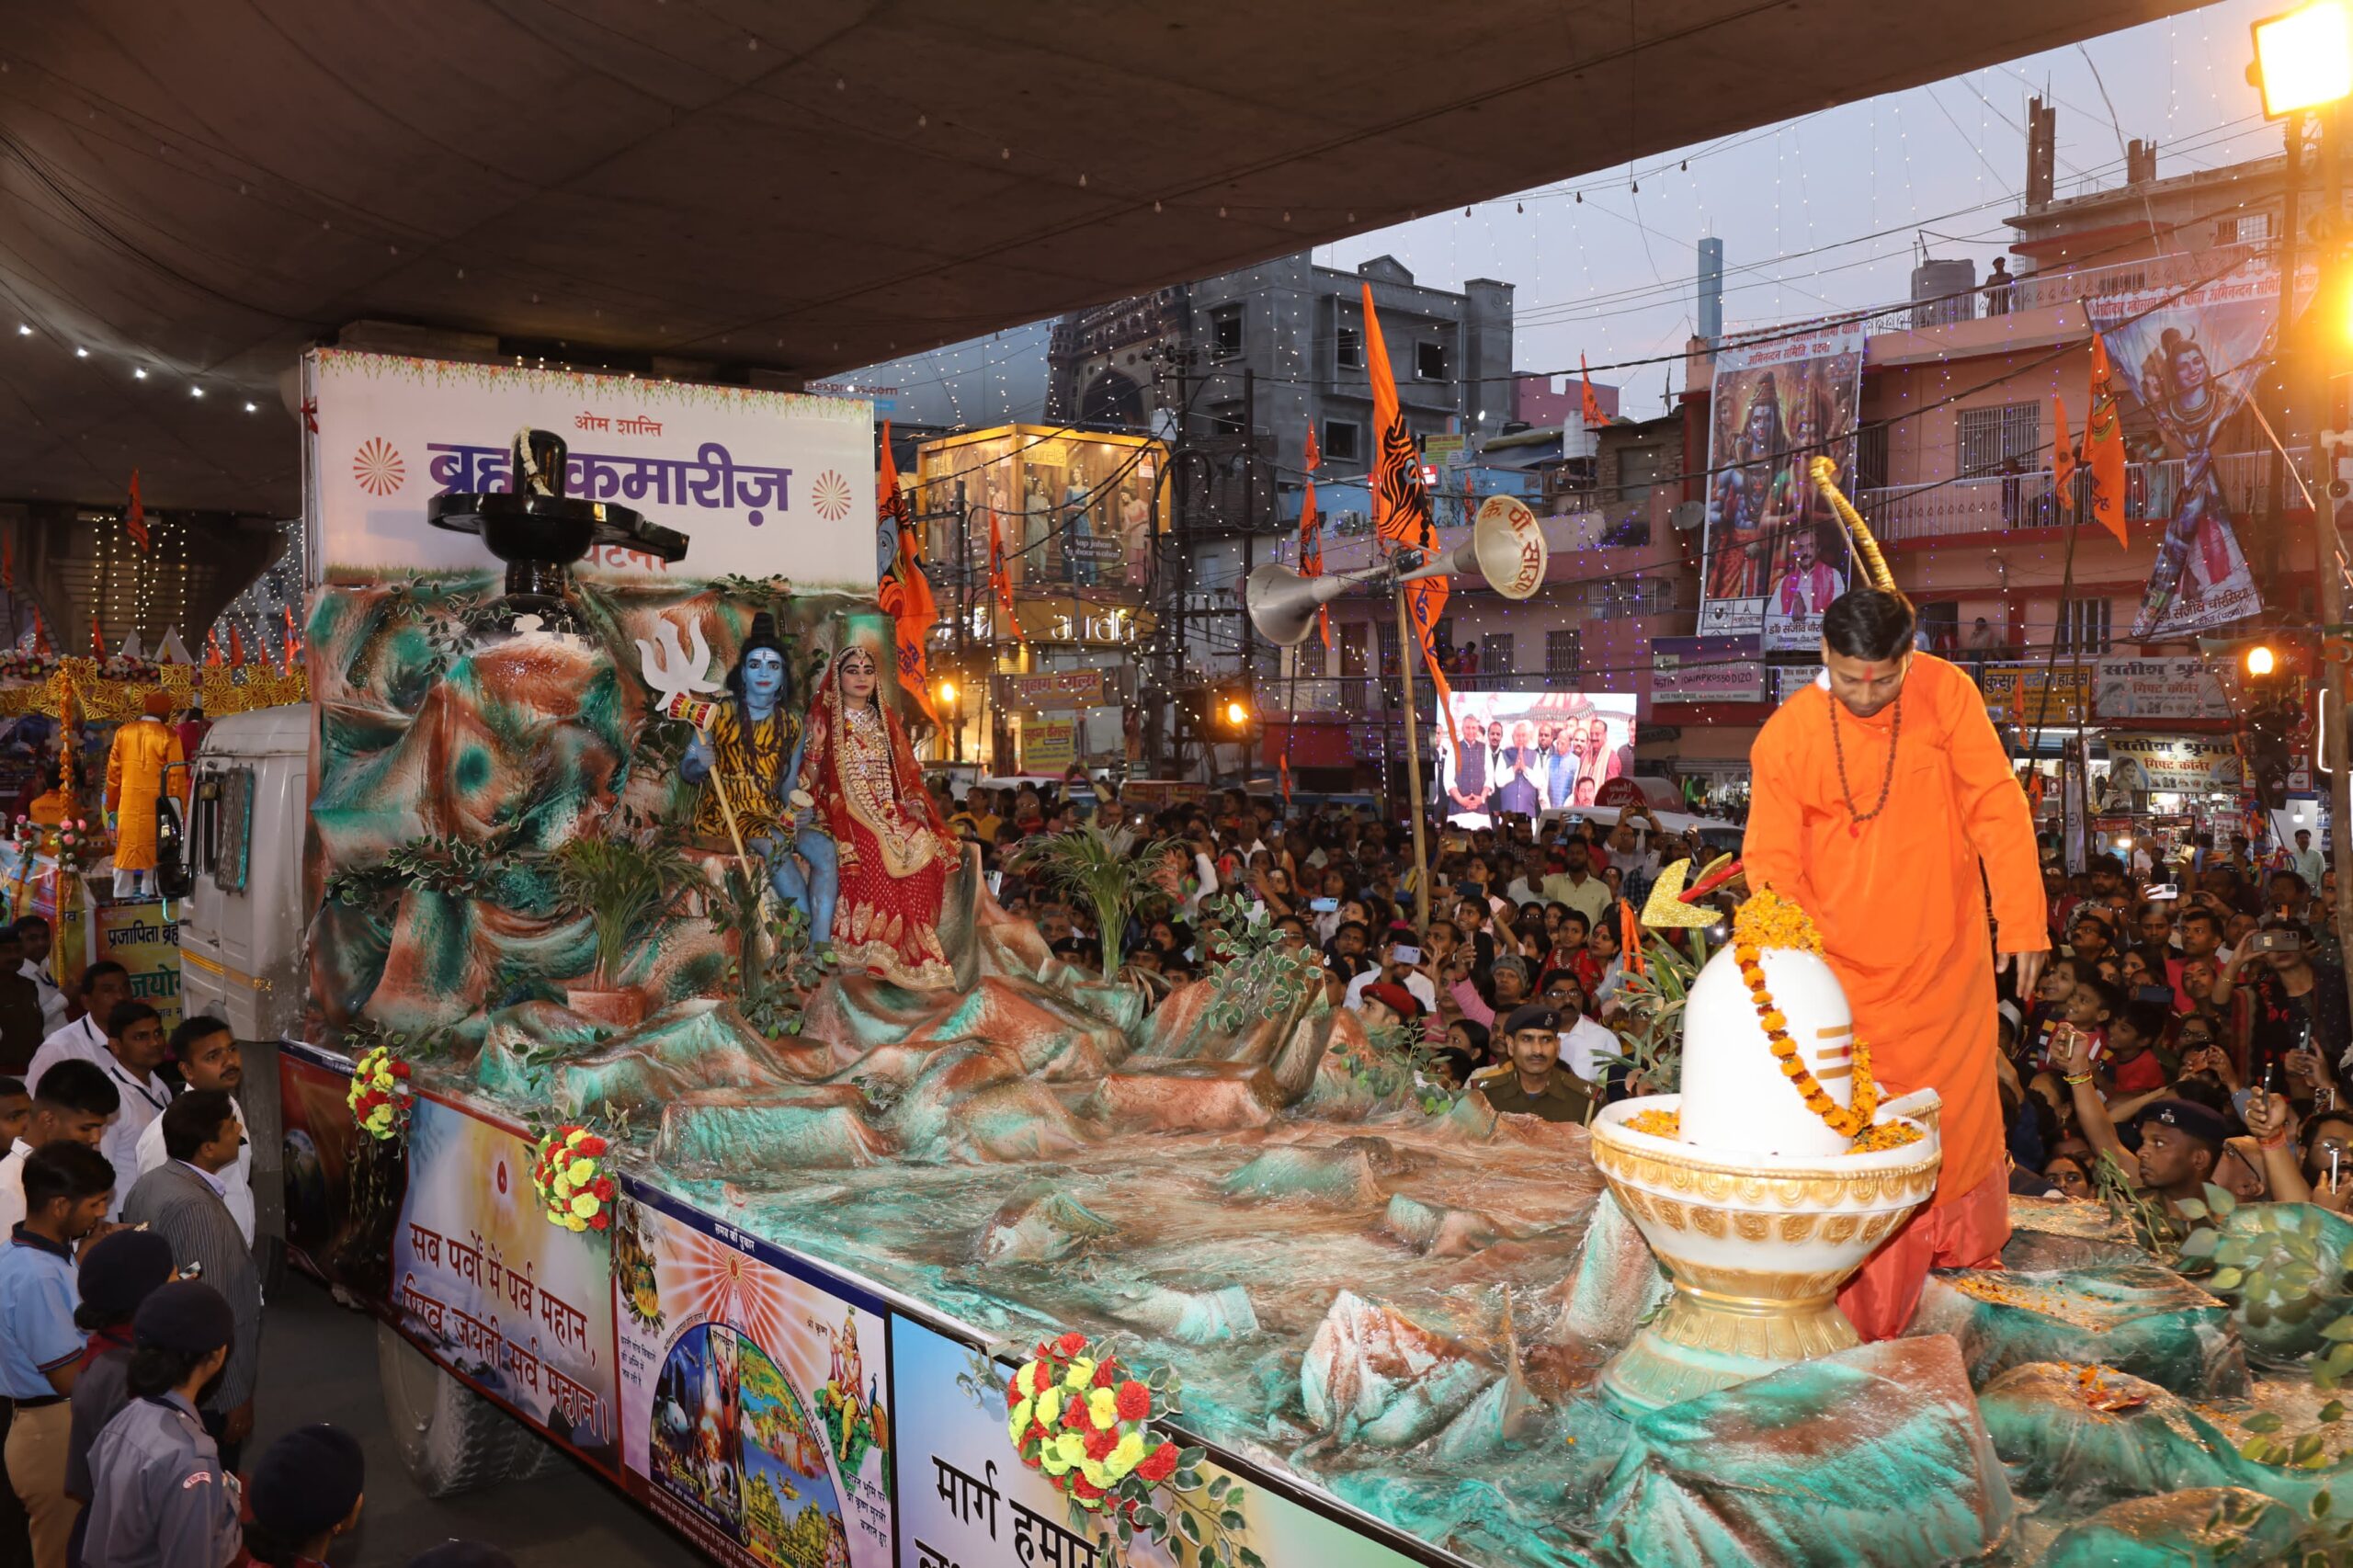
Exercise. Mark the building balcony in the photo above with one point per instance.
(1996, 503)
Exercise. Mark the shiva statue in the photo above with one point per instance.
(752, 750)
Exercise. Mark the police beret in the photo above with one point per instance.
(120, 1270)
(308, 1482)
(1534, 1015)
(2202, 1122)
(186, 1315)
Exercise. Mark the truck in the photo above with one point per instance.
(771, 1407)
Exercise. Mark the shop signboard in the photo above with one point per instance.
(1775, 556)
(1155, 794)
(965, 1501)
(1060, 688)
(2173, 764)
(488, 1288)
(2143, 690)
(1707, 669)
(1791, 679)
(2053, 697)
(756, 1392)
(1048, 745)
(761, 483)
(145, 941)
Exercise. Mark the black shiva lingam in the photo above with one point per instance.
(538, 531)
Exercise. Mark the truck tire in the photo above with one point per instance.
(450, 1438)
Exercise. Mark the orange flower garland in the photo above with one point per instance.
(1766, 920)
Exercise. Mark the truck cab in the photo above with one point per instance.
(242, 922)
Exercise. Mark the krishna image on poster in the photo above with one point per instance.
(2192, 363)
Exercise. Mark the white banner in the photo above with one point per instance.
(2159, 688)
(762, 484)
(2194, 765)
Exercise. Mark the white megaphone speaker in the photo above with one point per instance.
(1506, 548)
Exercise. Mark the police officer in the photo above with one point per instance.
(1536, 1083)
(159, 1495)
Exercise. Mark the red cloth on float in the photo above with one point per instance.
(895, 851)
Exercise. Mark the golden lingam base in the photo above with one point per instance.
(1756, 1247)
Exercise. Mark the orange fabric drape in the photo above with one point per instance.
(1898, 899)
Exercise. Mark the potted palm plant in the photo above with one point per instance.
(623, 887)
(1114, 873)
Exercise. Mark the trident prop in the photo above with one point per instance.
(679, 676)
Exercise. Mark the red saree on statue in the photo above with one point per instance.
(895, 852)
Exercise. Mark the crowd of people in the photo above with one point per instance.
(2191, 1025)
(131, 1304)
(1511, 987)
(2191, 1028)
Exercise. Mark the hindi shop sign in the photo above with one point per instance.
(2159, 688)
(1048, 745)
(1707, 669)
(754, 1393)
(762, 484)
(2185, 765)
(139, 938)
(488, 1288)
(1062, 689)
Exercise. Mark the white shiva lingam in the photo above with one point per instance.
(1759, 1188)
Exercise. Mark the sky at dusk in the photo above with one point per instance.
(1828, 212)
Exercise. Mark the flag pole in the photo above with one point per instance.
(1412, 766)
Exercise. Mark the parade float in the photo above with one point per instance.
(925, 1246)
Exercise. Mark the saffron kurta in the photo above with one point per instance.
(1898, 900)
(143, 748)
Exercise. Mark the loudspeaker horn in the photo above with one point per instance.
(1506, 547)
(1282, 603)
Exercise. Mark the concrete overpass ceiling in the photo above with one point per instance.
(792, 188)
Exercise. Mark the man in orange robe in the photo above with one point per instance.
(1876, 796)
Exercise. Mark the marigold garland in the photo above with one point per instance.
(1768, 920)
(1884, 1135)
(568, 1173)
(378, 1095)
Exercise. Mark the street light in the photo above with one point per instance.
(2303, 58)
(947, 692)
(2261, 661)
(1236, 714)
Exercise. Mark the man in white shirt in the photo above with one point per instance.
(1394, 971)
(33, 932)
(134, 1050)
(76, 1102)
(106, 985)
(209, 1059)
(2309, 863)
(1580, 890)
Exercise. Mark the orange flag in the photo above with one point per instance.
(134, 517)
(236, 645)
(1589, 404)
(97, 638)
(1001, 579)
(212, 655)
(1282, 765)
(2062, 455)
(905, 593)
(293, 642)
(1401, 506)
(2104, 446)
(1310, 536)
(40, 635)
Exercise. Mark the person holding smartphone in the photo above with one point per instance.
(2291, 1010)
(1401, 957)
